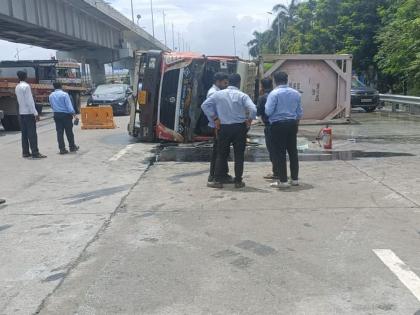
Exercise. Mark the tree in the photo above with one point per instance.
(399, 44)
(382, 35)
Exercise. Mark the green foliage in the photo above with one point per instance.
(382, 35)
(399, 43)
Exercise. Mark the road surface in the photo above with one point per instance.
(105, 232)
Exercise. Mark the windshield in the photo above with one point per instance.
(110, 89)
(46, 73)
(68, 73)
(355, 83)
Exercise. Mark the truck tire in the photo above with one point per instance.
(11, 123)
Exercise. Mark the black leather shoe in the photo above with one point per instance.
(62, 152)
(228, 180)
(240, 185)
(2, 201)
(39, 156)
(75, 149)
(26, 155)
(215, 185)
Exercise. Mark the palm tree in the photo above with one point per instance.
(289, 12)
(261, 42)
(255, 45)
(285, 16)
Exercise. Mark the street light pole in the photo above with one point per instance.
(234, 39)
(153, 22)
(164, 26)
(179, 41)
(183, 43)
(173, 37)
(132, 11)
(278, 33)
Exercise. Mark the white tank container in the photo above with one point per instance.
(323, 80)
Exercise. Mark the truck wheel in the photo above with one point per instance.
(11, 123)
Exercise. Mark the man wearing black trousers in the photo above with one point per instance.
(63, 116)
(267, 87)
(220, 83)
(28, 118)
(232, 111)
(284, 111)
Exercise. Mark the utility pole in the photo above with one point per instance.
(153, 21)
(132, 11)
(173, 37)
(179, 41)
(234, 39)
(278, 32)
(164, 26)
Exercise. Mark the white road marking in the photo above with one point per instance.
(121, 153)
(400, 269)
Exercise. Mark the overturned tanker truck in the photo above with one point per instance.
(172, 86)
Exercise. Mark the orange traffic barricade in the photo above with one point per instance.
(100, 117)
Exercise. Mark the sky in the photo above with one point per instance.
(205, 25)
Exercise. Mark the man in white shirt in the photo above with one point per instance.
(28, 118)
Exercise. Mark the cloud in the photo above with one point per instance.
(205, 25)
(9, 51)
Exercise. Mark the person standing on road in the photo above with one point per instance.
(284, 111)
(267, 87)
(63, 116)
(28, 118)
(220, 83)
(231, 111)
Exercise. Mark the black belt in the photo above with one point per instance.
(287, 121)
(236, 124)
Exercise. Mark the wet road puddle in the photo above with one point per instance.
(257, 153)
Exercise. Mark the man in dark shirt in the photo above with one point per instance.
(267, 87)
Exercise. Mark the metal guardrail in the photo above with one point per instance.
(410, 104)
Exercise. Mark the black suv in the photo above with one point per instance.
(119, 96)
(363, 96)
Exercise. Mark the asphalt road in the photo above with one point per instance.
(95, 233)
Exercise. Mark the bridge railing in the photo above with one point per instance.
(405, 103)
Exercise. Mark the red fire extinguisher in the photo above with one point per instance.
(325, 136)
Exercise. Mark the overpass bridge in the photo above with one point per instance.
(89, 31)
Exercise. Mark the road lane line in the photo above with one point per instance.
(121, 153)
(400, 269)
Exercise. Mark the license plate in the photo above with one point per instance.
(366, 100)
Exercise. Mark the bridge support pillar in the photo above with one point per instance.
(97, 72)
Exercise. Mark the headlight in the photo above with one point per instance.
(121, 103)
